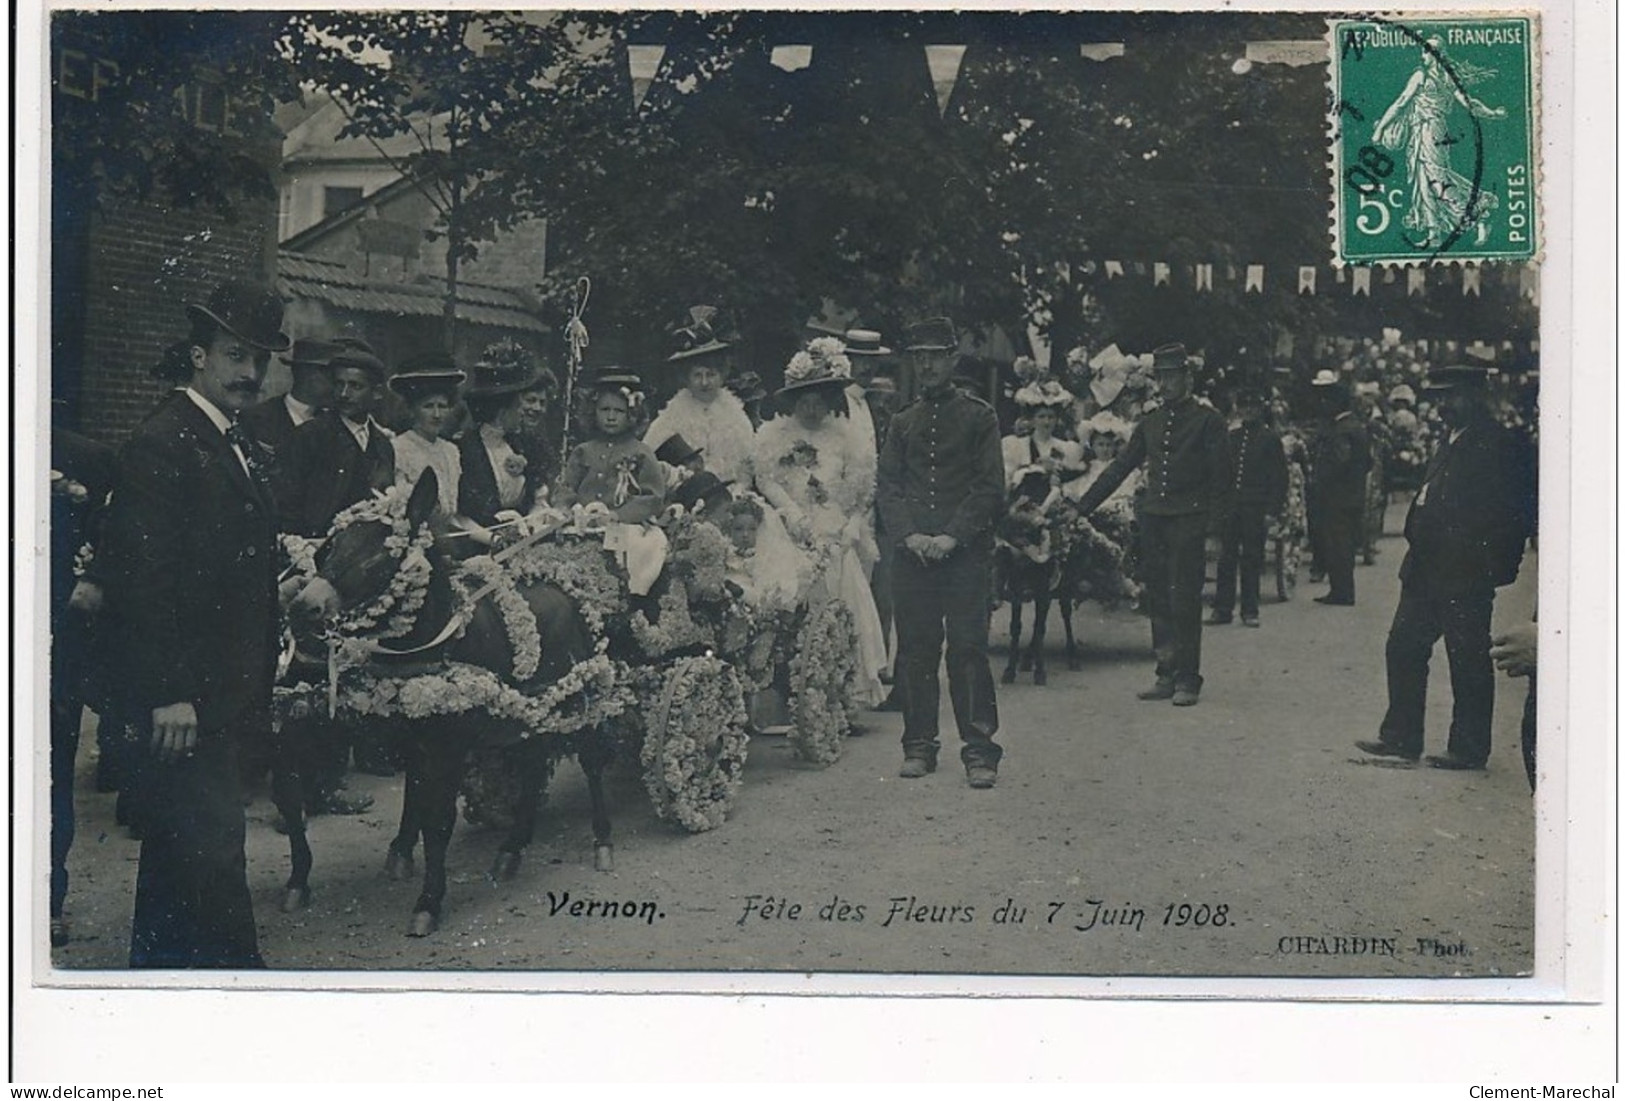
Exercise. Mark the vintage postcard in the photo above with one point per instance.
(809, 502)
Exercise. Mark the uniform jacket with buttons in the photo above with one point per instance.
(941, 471)
(193, 604)
(1186, 452)
(323, 471)
(1259, 479)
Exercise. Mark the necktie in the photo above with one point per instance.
(249, 452)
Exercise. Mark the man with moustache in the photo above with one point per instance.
(194, 606)
(940, 488)
(1466, 532)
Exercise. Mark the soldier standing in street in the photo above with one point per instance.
(941, 489)
(1258, 492)
(1186, 451)
(1338, 466)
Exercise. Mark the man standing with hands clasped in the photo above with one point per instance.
(1186, 451)
(941, 488)
(195, 608)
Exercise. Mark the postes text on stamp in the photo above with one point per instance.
(1433, 142)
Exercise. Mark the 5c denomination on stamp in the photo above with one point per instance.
(1433, 139)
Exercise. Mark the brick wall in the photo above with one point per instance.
(145, 262)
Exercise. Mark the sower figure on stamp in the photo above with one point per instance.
(1258, 492)
(1339, 462)
(194, 603)
(1466, 532)
(1186, 451)
(941, 489)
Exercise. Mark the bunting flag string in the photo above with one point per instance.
(1159, 274)
(1306, 279)
(643, 62)
(1469, 282)
(1114, 268)
(1415, 281)
(944, 62)
(1255, 278)
(1362, 281)
(1204, 277)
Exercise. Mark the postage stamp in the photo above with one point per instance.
(1433, 139)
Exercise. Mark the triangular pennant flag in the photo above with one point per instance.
(1255, 278)
(1389, 275)
(1470, 282)
(1230, 273)
(1139, 267)
(943, 62)
(1362, 281)
(1100, 51)
(1114, 268)
(1306, 279)
(1342, 276)
(1204, 277)
(643, 62)
(1159, 274)
(1415, 281)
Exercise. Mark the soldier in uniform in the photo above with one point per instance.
(1258, 492)
(1338, 465)
(1466, 532)
(941, 488)
(1186, 451)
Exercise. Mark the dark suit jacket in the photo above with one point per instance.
(193, 602)
(1338, 463)
(1468, 526)
(323, 471)
(477, 492)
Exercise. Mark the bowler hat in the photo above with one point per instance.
(310, 351)
(358, 359)
(507, 367)
(427, 373)
(1326, 377)
(676, 451)
(249, 311)
(1460, 375)
(702, 487)
(1168, 357)
(934, 334)
(864, 342)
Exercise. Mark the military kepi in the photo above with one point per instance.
(1168, 357)
(934, 334)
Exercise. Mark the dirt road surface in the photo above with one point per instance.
(1241, 837)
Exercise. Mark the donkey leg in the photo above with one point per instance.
(288, 793)
(595, 753)
(1009, 676)
(442, 757)
(1035, 648)
(529, 759)
(398, 862)
(1072, 660)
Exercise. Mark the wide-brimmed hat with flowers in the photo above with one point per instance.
(701, 333)
(508, 367)
(822, 366)
(427, 373)
(1040, 390)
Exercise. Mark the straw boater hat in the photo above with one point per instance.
(697, 335)
(252, 312)
(864, 342)
(1326, 377)
(507, 367)
(427, 373)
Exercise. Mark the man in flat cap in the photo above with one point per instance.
(941, 488)
(194, 607)
(1186, 451)
(1466, 532)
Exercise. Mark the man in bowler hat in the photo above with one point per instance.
(1186, 451)
(1340, 460)
(194, 604)
(941, 489)
(1466, 532)
(272, 422)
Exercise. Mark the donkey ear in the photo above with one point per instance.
(425, 495)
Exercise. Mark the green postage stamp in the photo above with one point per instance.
(1433, 138)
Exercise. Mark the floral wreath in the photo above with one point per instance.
(394, 611)
(695, 743)
(821, 673)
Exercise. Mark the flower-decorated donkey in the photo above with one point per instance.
(456, 656)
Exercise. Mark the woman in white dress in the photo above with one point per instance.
(428, 384)
(705, 412)
(1044, 402)
(812, 467)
